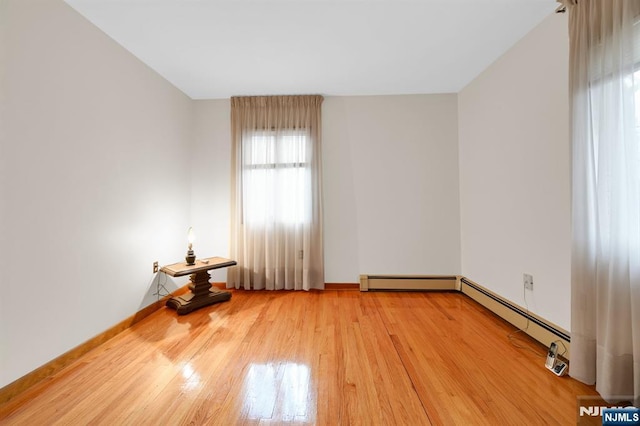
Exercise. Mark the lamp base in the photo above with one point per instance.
(190, 258)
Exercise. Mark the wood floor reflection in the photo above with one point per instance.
(327, 358)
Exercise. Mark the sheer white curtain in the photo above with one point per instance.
(276, 203)
(604, 87)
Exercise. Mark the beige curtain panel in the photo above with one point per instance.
(605, 118)
(276, 197)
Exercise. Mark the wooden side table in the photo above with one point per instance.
(201, 292)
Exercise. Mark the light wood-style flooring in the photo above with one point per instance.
(329, 358)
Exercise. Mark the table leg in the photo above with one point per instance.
(201, 295)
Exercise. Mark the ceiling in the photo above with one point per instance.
(212, 49)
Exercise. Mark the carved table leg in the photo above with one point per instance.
(201, 295)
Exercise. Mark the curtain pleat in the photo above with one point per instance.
(276, 206)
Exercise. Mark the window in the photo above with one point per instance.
(276, 197)
(276, 177)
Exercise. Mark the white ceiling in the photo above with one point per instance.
(213, 49)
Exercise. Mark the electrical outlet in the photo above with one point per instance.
(528, 281)
(155, 266)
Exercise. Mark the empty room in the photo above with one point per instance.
(331, 212)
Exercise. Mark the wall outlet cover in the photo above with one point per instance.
(528, 281)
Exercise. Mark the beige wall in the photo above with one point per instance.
(94, 182)
(515, 171)
(390, 184)
(211, 180)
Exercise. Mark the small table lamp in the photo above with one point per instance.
(191, 257)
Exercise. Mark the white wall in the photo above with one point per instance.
(4, 249)
(211, 181)
(390, 186)
(94, 182)
(390, 167)
(515, 171)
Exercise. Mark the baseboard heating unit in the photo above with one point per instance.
(409, 282)
(538, 328)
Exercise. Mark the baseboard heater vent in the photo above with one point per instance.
(409, 282)
(538, 328)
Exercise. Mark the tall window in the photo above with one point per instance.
(276, 198)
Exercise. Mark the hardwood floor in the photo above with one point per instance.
(327, 358)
